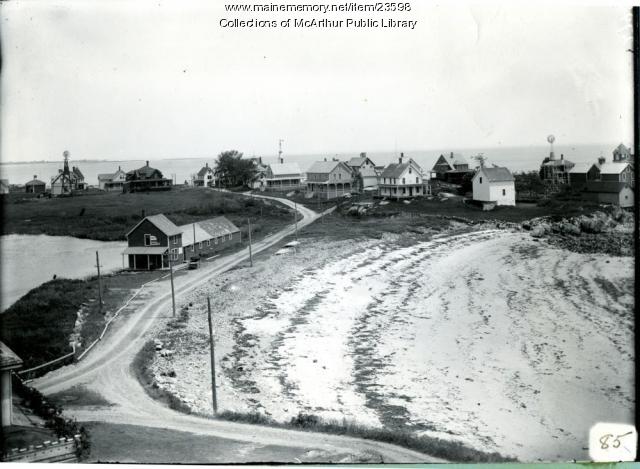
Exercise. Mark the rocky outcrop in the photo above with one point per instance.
(609, 232)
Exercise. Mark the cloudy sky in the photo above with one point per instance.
(160, 79)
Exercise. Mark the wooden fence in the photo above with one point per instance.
(61, 450)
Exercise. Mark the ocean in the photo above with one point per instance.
(526, 158)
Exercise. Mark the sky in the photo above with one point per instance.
(150, 80)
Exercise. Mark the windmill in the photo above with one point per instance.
(551, 139)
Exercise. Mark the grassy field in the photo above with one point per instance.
(38, 326)
(108, 216)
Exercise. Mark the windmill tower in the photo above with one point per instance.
(551, 139)
(280, 159)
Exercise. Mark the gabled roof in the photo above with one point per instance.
(162, 223)
(609, 187)
(77, 172)
(496, 174)
(110, 176)
(581, 168)
(457, 159)
(218, 226)
(394, 170)
(204, 170)
(188, 232)
(356, 161)
(8, 358)
(613, 167)
(443, 159)
(281, 169)
(324, 166)
(623, 149)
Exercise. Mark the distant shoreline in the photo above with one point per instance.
(454, 148)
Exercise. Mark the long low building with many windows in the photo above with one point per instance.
(156, 241)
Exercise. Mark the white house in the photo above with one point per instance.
(402, 180)
(494, 185)
(205, 177)
(112, 182)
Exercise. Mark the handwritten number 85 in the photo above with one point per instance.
(604, 440)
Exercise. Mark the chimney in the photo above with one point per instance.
(281, 160)
(260, 159)
(601, 160)
(451, 155)
(35, 176)
(401, 156)
(206, 165)
(147, 162)
(561, 156)
(325, 158)
(363, 154)
(119, 168)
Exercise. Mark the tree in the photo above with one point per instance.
(231, 170)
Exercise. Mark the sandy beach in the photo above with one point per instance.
(489, 337)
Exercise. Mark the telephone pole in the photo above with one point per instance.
(295, 216)
(173, 295)
(99, 281)
(213, 361)
(250, 252)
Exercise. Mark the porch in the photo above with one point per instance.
(147, 257)
(328, 190)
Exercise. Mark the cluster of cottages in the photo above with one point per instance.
(601, 181)
(70, 180)
(606, 182)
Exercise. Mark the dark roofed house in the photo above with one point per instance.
(35, 186)
(156, 241)
(622, 153)
(9, 361)
(151, 242)
(451, 168)
(403, 179)
(146, 179)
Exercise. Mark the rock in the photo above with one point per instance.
(570, 229)
(526, 225)
(538, 231)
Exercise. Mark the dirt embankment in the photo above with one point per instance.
(606, 232)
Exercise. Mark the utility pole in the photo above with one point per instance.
(173, 295)
(194, 238)
(99, 281)
(250, 253)
(213, 361)
(295, 216)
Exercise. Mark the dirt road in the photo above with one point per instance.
(106, 370)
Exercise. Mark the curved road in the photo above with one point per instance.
(106, 369)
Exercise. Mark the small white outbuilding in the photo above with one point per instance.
(495, 185)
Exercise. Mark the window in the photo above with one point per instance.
(230, 236)
(403, 182)
(222, 239)
(208, 242)
(404, 190)
(150, 240)
(193, 247)
(215, 241)
(417, 180)
(409, 170)
(174, 254)
(480, 179)
(175, 240)
(200, 245)
(504, 192)
(340, 176)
